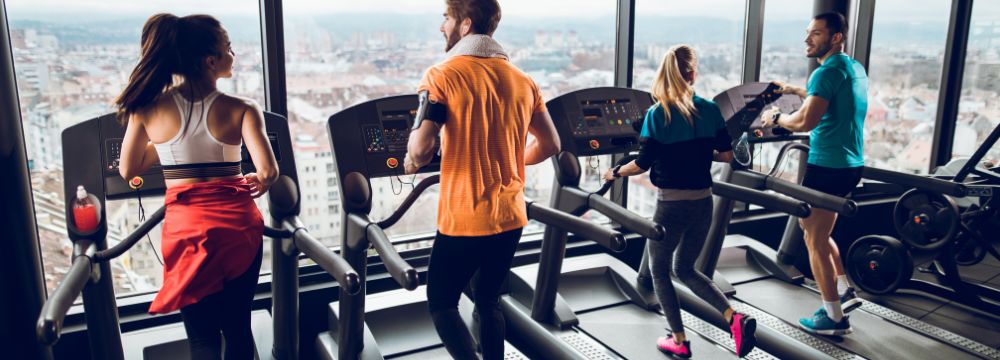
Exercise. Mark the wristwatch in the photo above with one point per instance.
(774, 119)
(614, 171)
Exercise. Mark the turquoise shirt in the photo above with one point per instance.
(838, 140)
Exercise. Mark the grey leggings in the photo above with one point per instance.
(686, 223)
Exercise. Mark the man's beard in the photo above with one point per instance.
(819, 50)
(452, 38)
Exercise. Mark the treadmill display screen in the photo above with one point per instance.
(600, 121)
(384, 125)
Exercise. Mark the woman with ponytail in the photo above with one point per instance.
(681, 135)
(212, 231)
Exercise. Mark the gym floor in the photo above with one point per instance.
(960, 319)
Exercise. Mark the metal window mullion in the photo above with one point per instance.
(272, 38)
(951, 82)
(864, 16)
(624, 52)
(19, 250)
(753, 39)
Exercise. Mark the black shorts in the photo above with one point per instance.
(833, 181)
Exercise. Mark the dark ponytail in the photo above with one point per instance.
(171, 46)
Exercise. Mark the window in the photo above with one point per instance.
(783, 55)
(714, 28)
(339, 54)
(979, 110)
(908, 43)
(71, 59)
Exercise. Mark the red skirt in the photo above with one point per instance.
(212, 232)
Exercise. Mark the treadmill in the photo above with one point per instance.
(768, 286)
(369, 141)
(91, 152)
(595, 299)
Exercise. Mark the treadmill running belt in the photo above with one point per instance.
(631, 332)
(873, 337)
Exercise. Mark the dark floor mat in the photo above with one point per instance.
(873, 337)
(920, 301)
(632, 332)
(978, 273)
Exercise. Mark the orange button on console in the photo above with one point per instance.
(392, 163)
(595, 145)
(758, 133)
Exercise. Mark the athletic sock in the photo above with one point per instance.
(833, 310)
(842, 284)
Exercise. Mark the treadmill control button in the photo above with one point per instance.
(135, 183)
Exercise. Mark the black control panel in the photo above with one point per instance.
(370, 138)
(81, 161)
(741, 106)
(600, 121)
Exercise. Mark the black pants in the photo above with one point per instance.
(225, 313)
(454, 261)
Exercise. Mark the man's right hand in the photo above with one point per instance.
(789, 89)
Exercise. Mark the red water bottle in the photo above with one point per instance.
(84, 211)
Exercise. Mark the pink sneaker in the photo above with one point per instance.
(742, 329)
(668, 346)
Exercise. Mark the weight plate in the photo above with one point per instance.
(879, 264)
(926, 220)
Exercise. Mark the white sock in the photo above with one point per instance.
(842, 284)
(833, 310)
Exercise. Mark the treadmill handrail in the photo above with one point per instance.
(410, 199)
(814, 198)
(914, 181)
(401, 271)
(610, 239)
(784, 151)
(133, 238)
(49, 326)
(794, 207)
(628, 219)
(330, 261)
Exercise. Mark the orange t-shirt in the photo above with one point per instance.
(490, 104)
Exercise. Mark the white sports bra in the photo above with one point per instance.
(194, 143)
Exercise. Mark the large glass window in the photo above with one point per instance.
(716, 31)
(340, 54)
(783, 55)
(71, 59)
(979, 111)
(783, 58)
(907, 52)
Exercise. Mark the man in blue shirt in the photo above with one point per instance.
(836, 102)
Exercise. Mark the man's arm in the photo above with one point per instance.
(546, 141)
(420, 147)
(807, 118)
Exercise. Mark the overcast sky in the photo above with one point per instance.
(915, 10)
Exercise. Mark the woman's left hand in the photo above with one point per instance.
(257, 188)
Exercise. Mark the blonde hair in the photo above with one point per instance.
(672, 85)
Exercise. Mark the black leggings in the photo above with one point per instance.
(454, 261)
(225, 313)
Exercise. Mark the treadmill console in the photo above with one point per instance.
(600, 121)
(370, 138)
(741, 106)
(109, 134)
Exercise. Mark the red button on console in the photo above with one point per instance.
(135, 183)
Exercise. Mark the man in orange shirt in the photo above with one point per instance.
(483, 108)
